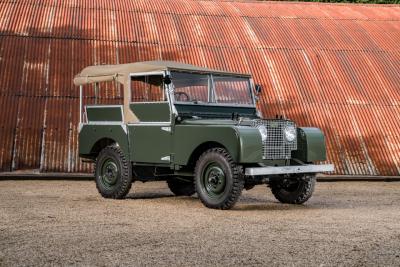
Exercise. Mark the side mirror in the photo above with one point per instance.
(258, 89)
(167, 79)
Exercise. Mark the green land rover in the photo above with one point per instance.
(198, 129)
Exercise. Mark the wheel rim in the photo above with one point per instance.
(214, 180)
(290, 185)
(109, 173)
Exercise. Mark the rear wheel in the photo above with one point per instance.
(113, 173)
(181, 187)
(218, 180)
(295, 189)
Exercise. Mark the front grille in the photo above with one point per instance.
(276, 146)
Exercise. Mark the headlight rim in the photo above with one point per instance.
(263, 132)
(292, 132)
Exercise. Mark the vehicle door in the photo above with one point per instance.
(151, 138)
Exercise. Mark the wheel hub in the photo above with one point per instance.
(214, 180)
(109, 173)
(290, 185)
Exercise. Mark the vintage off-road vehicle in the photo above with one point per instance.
(196, 128)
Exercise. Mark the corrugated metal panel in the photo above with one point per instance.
(333, 66)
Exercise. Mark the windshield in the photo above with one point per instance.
(190, 87)
(232, 90)
(215, 89)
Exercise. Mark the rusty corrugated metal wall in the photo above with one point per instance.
(334, 66)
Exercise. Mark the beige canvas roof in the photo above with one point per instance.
(120, 73)
(101, 73)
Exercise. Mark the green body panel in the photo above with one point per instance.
(151, 112)
(104, 113)
(150, 143)
(163, 144)
(310, 145)
(90, 134)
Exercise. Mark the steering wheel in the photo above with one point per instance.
(178, 96)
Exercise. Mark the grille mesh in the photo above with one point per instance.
(275, 146)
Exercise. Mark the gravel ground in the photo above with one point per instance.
(68, 223)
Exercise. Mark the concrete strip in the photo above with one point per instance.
(45, 176)
(89, 176)
(352, 178)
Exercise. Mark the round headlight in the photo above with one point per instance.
(263, 131)
(290, 133)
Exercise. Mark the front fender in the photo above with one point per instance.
(250, 145)
(243, 143)
(187, 138)
(310, 145)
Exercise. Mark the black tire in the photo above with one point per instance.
(295, 190)
(218, 179)
(113, 173)
(181, 187)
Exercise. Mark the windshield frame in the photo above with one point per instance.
(211, 101)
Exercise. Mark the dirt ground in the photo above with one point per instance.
(68, 223)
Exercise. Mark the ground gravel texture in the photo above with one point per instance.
(68, 223)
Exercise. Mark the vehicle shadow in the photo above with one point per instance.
(248, 204)
(271, 206)
(251, 204)
(147, 195)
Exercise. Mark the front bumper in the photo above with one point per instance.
(289, 169)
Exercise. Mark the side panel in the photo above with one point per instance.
(90, 134)
(104, 113)
(150, 143)
(310, 145)
(151, 112)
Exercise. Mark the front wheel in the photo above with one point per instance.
(218, 180)
(295, 189)
(113, 173)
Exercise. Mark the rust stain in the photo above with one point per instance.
(333, 66)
